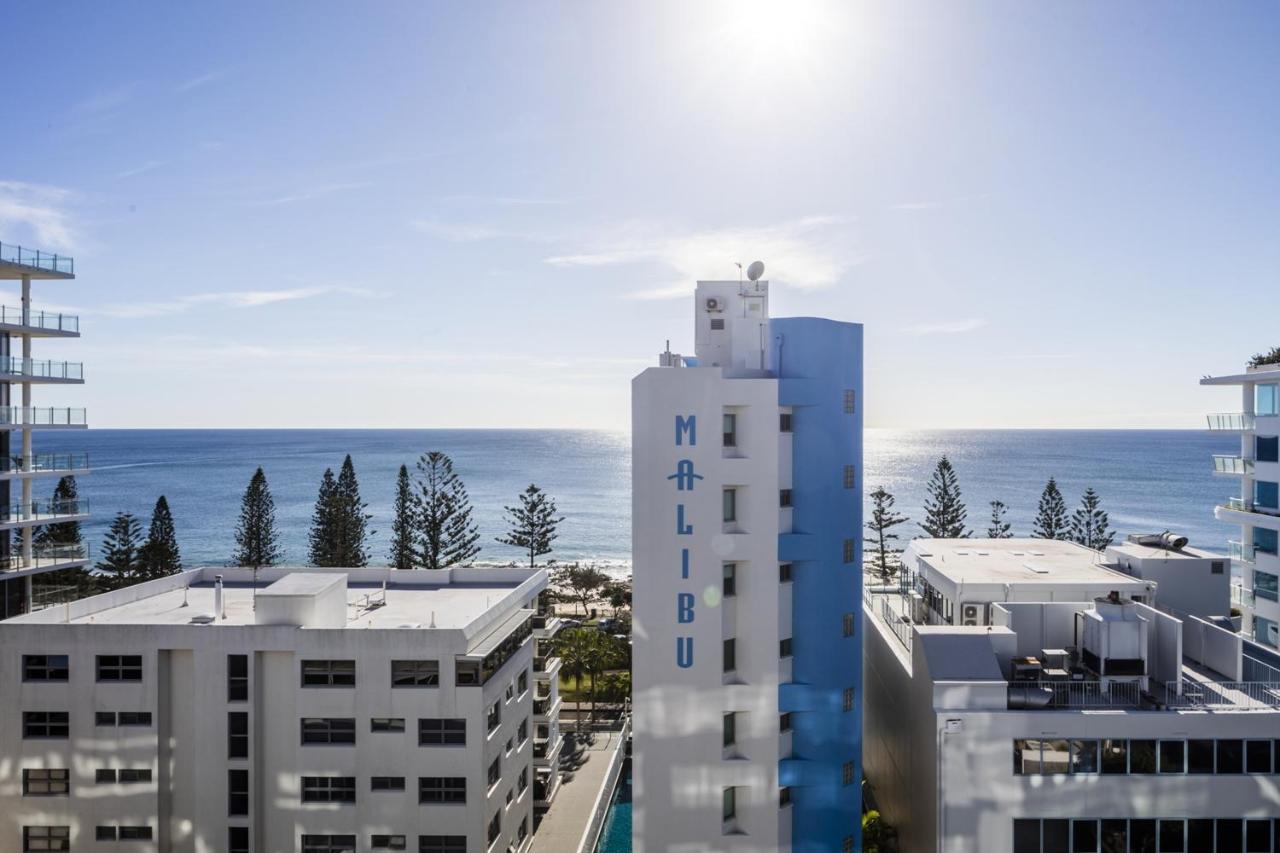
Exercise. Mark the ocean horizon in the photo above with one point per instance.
(1149, 480)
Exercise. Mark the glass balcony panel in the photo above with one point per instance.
(50, 321)
(49, 416)
(43, 509)
(1238, 552)
(1231, 422)
(1232, 465)
(46, 556)
(37, 259)
(48, 369)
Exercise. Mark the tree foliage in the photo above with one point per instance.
(353, 522)
(257, 540)
(322, 539)
(120, 564)
(1051, 517)
(945, 512)
(159, 556)
(1090, 525)
(580, 584)
(885, 558)
(446, 534)
(404, 525)
(533, 523)
(64, 532)
(999, 528)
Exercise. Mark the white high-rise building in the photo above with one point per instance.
(1256, 507)
(304, 711)
(23, 556)
(746, 463)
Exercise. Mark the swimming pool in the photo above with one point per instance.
(616, 835)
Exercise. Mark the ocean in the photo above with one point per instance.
(1148, 480)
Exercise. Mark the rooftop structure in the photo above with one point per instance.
(343, 709)
(26, 554)
(1256, 506)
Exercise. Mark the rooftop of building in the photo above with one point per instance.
(1020, 561)
(1139, 551)
(1262, 373)
(18, 262)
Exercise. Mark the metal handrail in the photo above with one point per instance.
(46, 369)
(1088, 694)
(37, 259)
(47, 320)
(45, 556)
(1249, 695)
(44, 416)
(44, 462)
(46, 509)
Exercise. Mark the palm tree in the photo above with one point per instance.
(573, 647)
(604, 655)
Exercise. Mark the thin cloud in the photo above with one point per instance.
(201, 80)
(947, 327)
(107, 100)
(455, 232)
(311, 193)
(143, 169)
(39, 211)
(225, 299)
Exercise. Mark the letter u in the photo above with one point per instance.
(684, 652)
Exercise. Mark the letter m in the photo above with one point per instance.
(687, 426)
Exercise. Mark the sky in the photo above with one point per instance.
(415, 214)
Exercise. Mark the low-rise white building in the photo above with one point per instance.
(313, 710)
(1068, 721)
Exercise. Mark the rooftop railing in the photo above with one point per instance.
(1223, 695)
(46, 369)
(1231, 465)
(1231, 422)
(47, 320)
(43, 510)
(45, 416)
(42, 462)
(1087, 694)
(46, 556)
(37, 259)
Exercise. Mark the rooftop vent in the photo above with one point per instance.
(1166, 541)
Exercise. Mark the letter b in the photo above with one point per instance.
(684, 607)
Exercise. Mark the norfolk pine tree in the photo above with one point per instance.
(999, 527)
(1090, 525)
(159, 556)
(533, 523)
(322, 540)
(404, 523)
(445, 535)
(64, 534)
(945, 512)
(257, 541)
(352, 522)
(120, 565)
(1051, 518)
(885, 558)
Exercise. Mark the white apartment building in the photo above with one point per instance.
(747, 576)
(1070, 716)
(22, 558)
(1256, 508)
(312, 711)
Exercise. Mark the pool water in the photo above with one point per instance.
(616, 835)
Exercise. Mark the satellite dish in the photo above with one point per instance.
(755, 270)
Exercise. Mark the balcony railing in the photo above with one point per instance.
(1231, 422)
(1238, 552)
(1241, 597)
(1087, 694)
(47, 320)
(45, 557)
(48, 369)
(36, 259)
(1235, 695)
(48, 417)
(51, 510)
(1232, 465)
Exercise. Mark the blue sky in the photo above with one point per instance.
(461, 214)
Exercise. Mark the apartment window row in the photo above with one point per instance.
(122, 775)
(122, 833)
(342, 789)
(1087, 757)
(1146, 835)
(328, 730)
(46, 782)
(404, 673)
(238, 734)
(46, 838)
(57, 668)
(122, 718)
(237, 678)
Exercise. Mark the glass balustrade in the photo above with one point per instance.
(46, 556)
(38, 510)
(51, 462)
(1238, 552)
(1232, 465)
(45, 416)
(47, 369)
(1231, 422)
(37, 259)
(49, 321)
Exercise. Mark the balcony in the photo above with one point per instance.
(31, 370)
(42, 512)
(43, 463)
(1231, 422)
(1241, 597)
(546, 625)
(547, 752)
(545, 668)
(1232, 465)
(547, 709)
(47, 558)
(1238, 552)
(18, 417)
(40, 264)
(38, 323)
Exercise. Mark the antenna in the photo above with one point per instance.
(739, 266)
(755, 270)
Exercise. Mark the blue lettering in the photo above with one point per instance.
(684, 652)
(684, 607)
(682, 529)
(684, 563)
(687, 426)
(684, 475)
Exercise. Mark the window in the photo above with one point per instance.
(784, 573)
(1172, 836)
(730, 586)
(442, 732)
(850, 550)
(1266, 448)
(1257, 836)
(848, 699)
(523, 782)
(784, 648)
(730, 655)
(134, 775)
(495, 827)
(493, 718)
(522, 733)
(847, 624)
(495, 772)
(387, 842)
(523, 831)
(119, 667)
(1200, 756)
(1230, 756)
(784, 722)
(442, 844)
(46, 782)
(328, 789)
(237, 734)
(133, 718)
(728, 805)
(466, 673)
(415, 673)
(1266, 400)
(784, 422)
(386, 783)
(44, 668)
(135, 833)
(328, 844)
(328, 673)
(329, 730)
(1218, 567)
(1257, 754)
(104, 833)
(104, 718)
(850, 401)
(1230, 834)
(784, 796)
(730, 499)
(1142, 756)
(1266, 541)
(730, 430)
(784, 498)
(46, 724)
(238, 792)
(1266, 585)
(238, 839)
(46, 838)
(104, 775)
(1266, 495)
(848, 773)
(1115, 756)
(1055, 756)
(1173, 756)
(237, 678)
(386, 724)
(442, 789)
(729, 729)
(522, 683)
(1026, 836)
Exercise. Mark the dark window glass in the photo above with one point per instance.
(1199, 756)
(119, 667)
(495, 771)
(238, 839)
(442, 844)
(329, 730)
(328, 789)
(1257, 756)
(1173, 756)
(103, 833)
(135, 833)
(1171, 836)
(1084, 836)
(1200, 834)
(442, 789)
(46, 724)
(1267, 448)
(44, 668)
(237, 678)
(784, 573)
(1057, 836)
(1230, 834)
(442, 732)
(784, 722)
(46, 838)
(1142, 836)
(1026, 836)
(730, 656)
(1257, 836)
(328, 673)
(415, 673)
(135, 774)
(133, 718)
(784, 422)
(387, 842)
(784, 498)
(784, 648)
(238, 792)
(730, 580)
(1115, 836)
(46, 782)
(729, 730)
(104, 718)
(237, 734)
(104, 775)
(1230, 756)
(328, 844)
(1115, 756)
(1142, 756)
(386, 724)
(730, 425)
(1084, 756)
(495, 827)
(386, 783)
